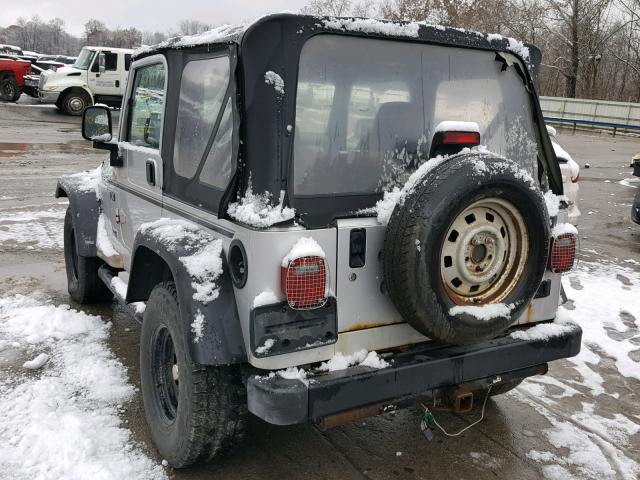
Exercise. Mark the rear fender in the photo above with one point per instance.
(81, 190)
(207, 303)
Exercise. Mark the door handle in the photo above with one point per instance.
(117, 83)
(151, 172)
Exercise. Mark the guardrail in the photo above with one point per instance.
(592, 123)
(604, 114)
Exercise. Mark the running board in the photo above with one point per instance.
(107, 274)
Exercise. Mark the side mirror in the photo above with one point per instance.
(96, 124)
(102, 63)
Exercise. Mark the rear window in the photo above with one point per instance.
(366, 110)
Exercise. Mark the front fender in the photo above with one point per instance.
(195, 259)
(82, 191)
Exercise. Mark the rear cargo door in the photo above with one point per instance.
(360, 287)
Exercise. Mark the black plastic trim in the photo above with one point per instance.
(414, 372)
(293, 330)
(238, 281)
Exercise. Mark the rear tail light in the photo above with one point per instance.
(563, 252)
(575, 179)
(305, 282)
(467, 139)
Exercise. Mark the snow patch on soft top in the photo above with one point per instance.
(211, 36)
(513, 45)
(370, 25)
(483, 312)
(304, 247)
(257, 210)
(361, 358)
(272, 78)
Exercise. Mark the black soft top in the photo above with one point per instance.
(273, 44)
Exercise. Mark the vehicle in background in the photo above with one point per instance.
(12, 73)
(48, 65)
(247, 202)
(31, 81)
(570, 175)
(64, 59)
(29, 58)
(635, 208)
(99, 75)
(11, 50)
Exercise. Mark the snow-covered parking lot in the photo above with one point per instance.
(70, 405)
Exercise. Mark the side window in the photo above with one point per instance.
(218, 166)
(127, 61)
(202, 91)
(147, 106)
(110, 61)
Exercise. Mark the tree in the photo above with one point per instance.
(193, 27)
(333, 8)
(95, 32)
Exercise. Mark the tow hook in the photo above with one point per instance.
(462, 402)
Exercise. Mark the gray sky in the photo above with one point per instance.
(158, 15)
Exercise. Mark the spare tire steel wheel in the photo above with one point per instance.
(473, 231)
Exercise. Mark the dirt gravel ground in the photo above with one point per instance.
(579, 421)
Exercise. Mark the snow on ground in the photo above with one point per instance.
(61, 421)
(33, 230)
(589, 443)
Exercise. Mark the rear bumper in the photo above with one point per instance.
(414, 373)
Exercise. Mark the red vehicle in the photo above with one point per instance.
(12, 73)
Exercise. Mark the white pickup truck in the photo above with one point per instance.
(99, 75)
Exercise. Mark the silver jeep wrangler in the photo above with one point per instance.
(321, 219)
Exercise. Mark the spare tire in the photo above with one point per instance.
(472, 231)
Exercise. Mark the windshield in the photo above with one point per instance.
(367, 110)
(84, 59)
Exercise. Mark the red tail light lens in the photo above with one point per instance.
(304, 282)
(563, 253)
(461, 138)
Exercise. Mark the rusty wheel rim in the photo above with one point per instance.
(484, 252)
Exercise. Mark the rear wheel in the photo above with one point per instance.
(83, 282)
(195, 412)
(74, 102)
(9, 90)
